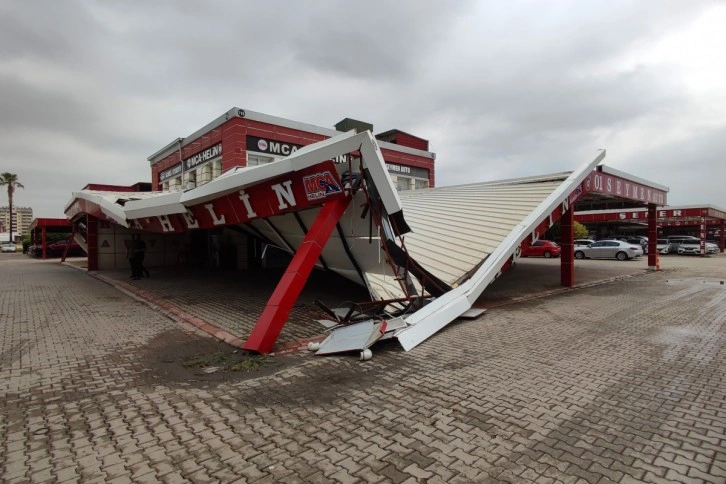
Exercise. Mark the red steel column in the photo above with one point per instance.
(274, 316)
(92, 242)
(722, 239)
(652, 237)
(567, 241)
(43, 244)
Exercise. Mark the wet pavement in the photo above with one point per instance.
(617, 382)
(228, 304)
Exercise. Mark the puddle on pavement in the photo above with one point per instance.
(671, 335)
(681, 282)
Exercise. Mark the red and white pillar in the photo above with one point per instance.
(92, 241)
(274, 316)
(567, 241)
(652, 237)
(43, 243)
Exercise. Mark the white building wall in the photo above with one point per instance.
(161, 249)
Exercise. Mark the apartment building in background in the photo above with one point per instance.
(22, 217)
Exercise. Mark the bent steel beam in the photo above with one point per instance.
(274, 316)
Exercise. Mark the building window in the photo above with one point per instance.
(403, 183)
(216, 168)
(190, 180)
(204, 174)
(257, 160)
(420, 184)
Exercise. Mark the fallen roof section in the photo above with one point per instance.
(443, 310)
(427, 268)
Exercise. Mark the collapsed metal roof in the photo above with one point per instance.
(426, 255)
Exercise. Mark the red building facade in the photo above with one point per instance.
(242, 138)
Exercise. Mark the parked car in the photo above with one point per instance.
(641, 241)
(609, 249)
(662, 246)
(583, 242)
(690, 248)
(542, 248)
(9, 247)
(675, 241)
(56, 249)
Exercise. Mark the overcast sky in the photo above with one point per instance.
(88, 90)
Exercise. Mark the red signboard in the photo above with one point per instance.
(607, 184)
(666, 217)
(284, 194)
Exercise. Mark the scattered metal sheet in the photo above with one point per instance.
(354, 337)
(472, 313)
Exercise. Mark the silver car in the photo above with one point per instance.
(689, 248)
(609, 249)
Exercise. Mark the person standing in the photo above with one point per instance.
(138, 251)
(129, 244)
(141, 247)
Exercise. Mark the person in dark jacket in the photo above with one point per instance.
(138, 251)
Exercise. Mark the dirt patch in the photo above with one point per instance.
(185, 358)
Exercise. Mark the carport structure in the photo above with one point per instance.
(608, 189)
(422, 269)
(41, 227)
(702, 221)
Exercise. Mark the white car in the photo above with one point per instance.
(7, 247)
(609, 249)
(689, 248)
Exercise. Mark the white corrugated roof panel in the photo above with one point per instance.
(455, 228)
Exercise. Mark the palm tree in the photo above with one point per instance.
(11, 181)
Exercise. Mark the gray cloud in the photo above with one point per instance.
(89, 90)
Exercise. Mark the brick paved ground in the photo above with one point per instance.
(621, 382)
(234, 301)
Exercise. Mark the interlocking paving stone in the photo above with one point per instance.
(622, 382)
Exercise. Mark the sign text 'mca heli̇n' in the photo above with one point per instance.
(284, 194)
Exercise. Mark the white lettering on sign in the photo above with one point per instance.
(621, 216)
(245, 197)
(398, 168)
(284, 195)
(215, 219)
(677, 213)
(279, 148)
(619, 189)
(166, 225)
(610, 185)
(205, 155)
(565, 207)
(191, 221)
